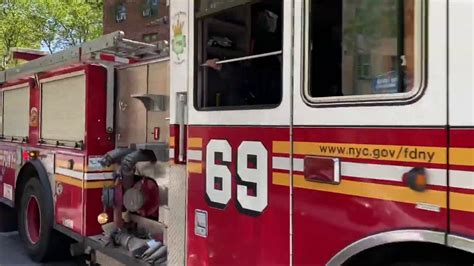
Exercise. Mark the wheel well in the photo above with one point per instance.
(411, 252)
(27, 171)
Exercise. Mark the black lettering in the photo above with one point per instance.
(422, 155)
(365, 152)
(413, 154)
(341, 150)
(391, 153)
(352, 151)
(430, 156)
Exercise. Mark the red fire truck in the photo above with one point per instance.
(277, 133)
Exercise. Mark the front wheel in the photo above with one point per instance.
(35, 222)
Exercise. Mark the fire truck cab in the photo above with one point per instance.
(328, 132)
(276, 133)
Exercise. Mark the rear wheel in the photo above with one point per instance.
(35, 222)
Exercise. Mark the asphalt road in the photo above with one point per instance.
(13, 253)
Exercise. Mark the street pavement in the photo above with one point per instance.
(13, 253)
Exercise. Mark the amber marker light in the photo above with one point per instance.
(103, 218)
(416, 179)
(33, 155)
(421, 180)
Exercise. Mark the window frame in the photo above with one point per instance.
(198, 17)
(401, 98)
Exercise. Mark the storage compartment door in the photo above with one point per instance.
(16, 107)
(63, 109)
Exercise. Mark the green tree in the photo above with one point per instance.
(68, 23)
(50, 24)
(16, 29)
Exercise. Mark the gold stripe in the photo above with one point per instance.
(368, 190)
(461, 201)
(101, 170)
(359, 151)
(281, 147)
(461, 156)
(82, 183)
(194, 142)
(281, 179)
(458, 156)
(68, 180)
(195, 168)
(172, 142)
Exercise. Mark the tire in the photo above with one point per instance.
(35, 222)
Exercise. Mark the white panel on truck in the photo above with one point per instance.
(16, 106)
(63, 108)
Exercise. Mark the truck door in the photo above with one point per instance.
(369, 126)
(461, 120)
(239, 113)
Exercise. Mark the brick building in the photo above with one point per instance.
(141, 20)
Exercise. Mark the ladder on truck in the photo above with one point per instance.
(111, 50)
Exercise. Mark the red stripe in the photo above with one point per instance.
(107, 57)
(173, 130)
(462, 168)
(392, 183)
(462, 190)
(462, 138)
(280, 171)
(11, 84)
(373, 181)
(245, 133)
(28, 56)
(431, 137)
(62, 71)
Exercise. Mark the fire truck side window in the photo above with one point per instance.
(360, 47)
(239, 57)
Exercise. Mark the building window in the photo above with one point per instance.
(239, 54)
(363, 66)
(120, 13)
(359, 47)
(151, 37)
(150, 8)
